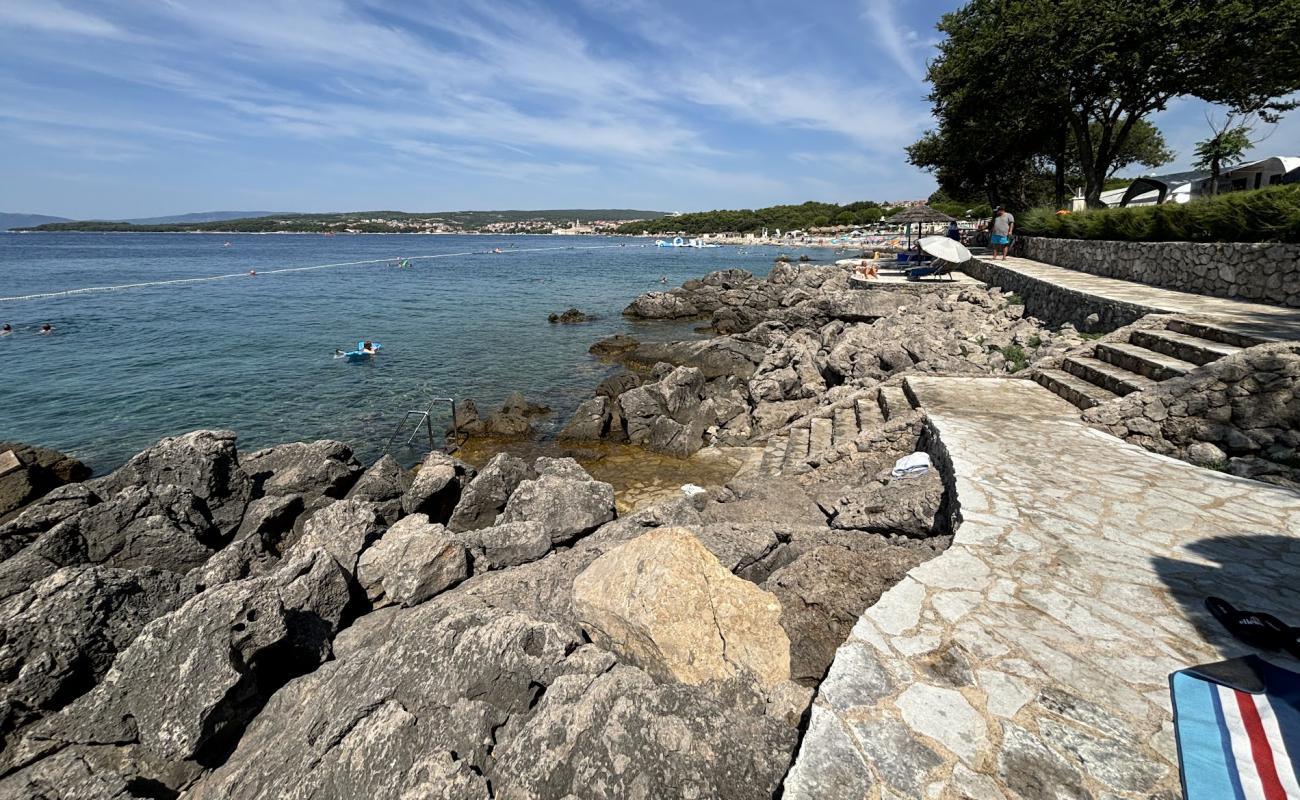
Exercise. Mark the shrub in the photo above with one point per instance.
(1271, 214)
(1015, 356)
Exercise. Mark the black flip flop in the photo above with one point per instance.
(1255, 628)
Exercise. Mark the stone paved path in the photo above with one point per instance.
(1255, 319)
(1031, 658)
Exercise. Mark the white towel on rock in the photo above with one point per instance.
(914, 464)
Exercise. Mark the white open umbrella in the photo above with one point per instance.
(949, 250)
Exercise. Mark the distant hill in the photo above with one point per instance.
(8, 221)
(202, 216)
(373, 222)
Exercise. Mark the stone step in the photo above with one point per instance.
(774, 454)
(1135, 358)
(893, 401)
(821, 435)
(796, 450)
(1204, 330)
(846, 425)
(1106, 375)
(1073, 388)
(1183, 346)
(869, 413)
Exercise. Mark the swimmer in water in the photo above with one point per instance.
(47, 329)
(6, 330)
(339, 353)
(368, 348)
(663, 278)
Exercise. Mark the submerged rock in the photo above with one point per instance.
(571, 316)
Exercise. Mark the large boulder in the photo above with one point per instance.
(204, 462)
(910, 505)
(506, 544)
(343, 529)
(589, 422)
(27, 473)
(61, 635)
(178, 698)
(413, 561)
(665, 603)
(385, 483)
(483, 500)
(623, 734)
(725, 355)
(454, 686)
(41, 515)
(563, 498)
(661, 305)
(311, 469)
(437, 487)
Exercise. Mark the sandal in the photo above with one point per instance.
(1255, 628)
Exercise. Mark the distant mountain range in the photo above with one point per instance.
(8, 221)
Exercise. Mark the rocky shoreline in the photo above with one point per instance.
(206, 623)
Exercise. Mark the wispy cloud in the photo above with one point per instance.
(53, 17)
(902, 44)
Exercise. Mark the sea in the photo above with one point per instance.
(255, 354)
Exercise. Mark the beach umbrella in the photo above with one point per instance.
(917, 214)
(947, 249)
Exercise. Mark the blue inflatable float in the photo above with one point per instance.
(359, 353)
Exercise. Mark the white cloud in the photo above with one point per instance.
(53, 17)
(902, 44)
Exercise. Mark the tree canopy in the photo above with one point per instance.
(1024, 89)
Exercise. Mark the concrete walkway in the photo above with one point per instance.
(1031, 659)
(1252, 319)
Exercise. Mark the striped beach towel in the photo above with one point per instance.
(1238, 729)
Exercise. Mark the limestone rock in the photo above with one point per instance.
(660, 305)
(39, 470)
(316, 469)
(61, 635)
(203, 462)
(413, 561)
(179, 696)
(910, 506)
(665, 603)
(41, 515)
(384, 483)
(343, 529)
(506, 544)
(437, 486)
(589, 422)
(483, 500)
(623, 734)
(563, 498)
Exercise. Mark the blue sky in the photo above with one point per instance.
(152, 107)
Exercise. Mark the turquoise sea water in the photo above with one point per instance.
(254, 354)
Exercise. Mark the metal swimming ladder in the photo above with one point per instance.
(424, 418)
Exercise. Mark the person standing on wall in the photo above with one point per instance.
(1001, 230)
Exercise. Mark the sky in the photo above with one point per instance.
(155, 107)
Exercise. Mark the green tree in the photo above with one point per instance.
(1226, 147)
(1086, 73)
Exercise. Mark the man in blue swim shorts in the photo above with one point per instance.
(1004, 224)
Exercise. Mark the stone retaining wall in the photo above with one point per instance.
(1057, 305)
(1262, 273)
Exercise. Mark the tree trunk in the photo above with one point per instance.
(1215, 166)
(1060, 167)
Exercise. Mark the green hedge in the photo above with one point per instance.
(1262, 215)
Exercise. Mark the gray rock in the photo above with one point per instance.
(203, 462)
(506, 544)
(385, 731)
(40, 471)
(179, 696)
(563, 498)
(589, 422)
(317, 469)
(437, 487)
(822, 594)
(829, 766)
(909, 506)
(485, 497)
(41, 515)
(259, 544)
(660, 305)
(61, 635)
(622, 734)
(615, 385)
(343, 529)
(413, 561)
(1204, 454)
(384, 484)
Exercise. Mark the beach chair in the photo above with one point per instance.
(937, 269)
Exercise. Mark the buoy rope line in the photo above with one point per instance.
(283, 270)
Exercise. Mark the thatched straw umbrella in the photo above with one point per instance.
(917, 214)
